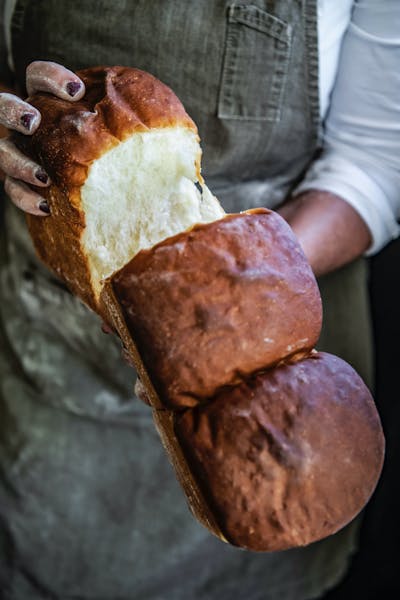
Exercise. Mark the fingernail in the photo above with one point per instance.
(26, 120)
(44, 207)
(42, 176)
(73, 88)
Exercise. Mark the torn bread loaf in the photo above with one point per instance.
(275, 445)
(124, 162)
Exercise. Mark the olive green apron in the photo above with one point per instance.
(89, 505)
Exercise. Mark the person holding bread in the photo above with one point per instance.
(295, 113)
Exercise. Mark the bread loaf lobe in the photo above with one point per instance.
(212, 305)
(287, 457)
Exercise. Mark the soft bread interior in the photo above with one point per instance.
(141, 192)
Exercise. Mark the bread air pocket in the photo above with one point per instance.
(254, 72)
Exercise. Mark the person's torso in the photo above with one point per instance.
(105, 516)
(247, 73)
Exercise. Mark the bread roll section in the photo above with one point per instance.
(217, 303)
(287, 457)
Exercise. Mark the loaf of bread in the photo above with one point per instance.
(275, 444)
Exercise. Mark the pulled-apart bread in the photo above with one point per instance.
(275, 444)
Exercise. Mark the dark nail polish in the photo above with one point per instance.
(26, 120)
(42, 176)
(73, 88)
(44, 207)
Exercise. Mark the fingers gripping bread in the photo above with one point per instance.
(275, 445)
(124, 162)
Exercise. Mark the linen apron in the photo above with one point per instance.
(89, 504)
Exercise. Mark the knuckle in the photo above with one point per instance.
(11, 189)
(7, 185)
(12, 161)
(5, 145)
(3, 163)
(35, 65)
(22, 197)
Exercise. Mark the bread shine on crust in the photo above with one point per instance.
(210, 306)
(278, 456)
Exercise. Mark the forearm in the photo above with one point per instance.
(360, 158)
(329, 230)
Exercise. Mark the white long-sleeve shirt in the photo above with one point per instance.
(359, 92)
(361, 156)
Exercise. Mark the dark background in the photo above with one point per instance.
(375, 571)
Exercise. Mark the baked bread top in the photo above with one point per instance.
(288, 457)
(118, 102)
(212, 305)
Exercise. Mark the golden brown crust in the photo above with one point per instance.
(164, 422)
(57, 241)
(288, 457)
(111, 309)
(212, 305)
(119, 102)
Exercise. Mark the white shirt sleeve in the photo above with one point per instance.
(360, 161)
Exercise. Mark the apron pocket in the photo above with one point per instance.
(257, 51)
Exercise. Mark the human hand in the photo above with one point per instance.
(18, 115)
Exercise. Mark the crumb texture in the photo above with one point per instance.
(139, 193)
